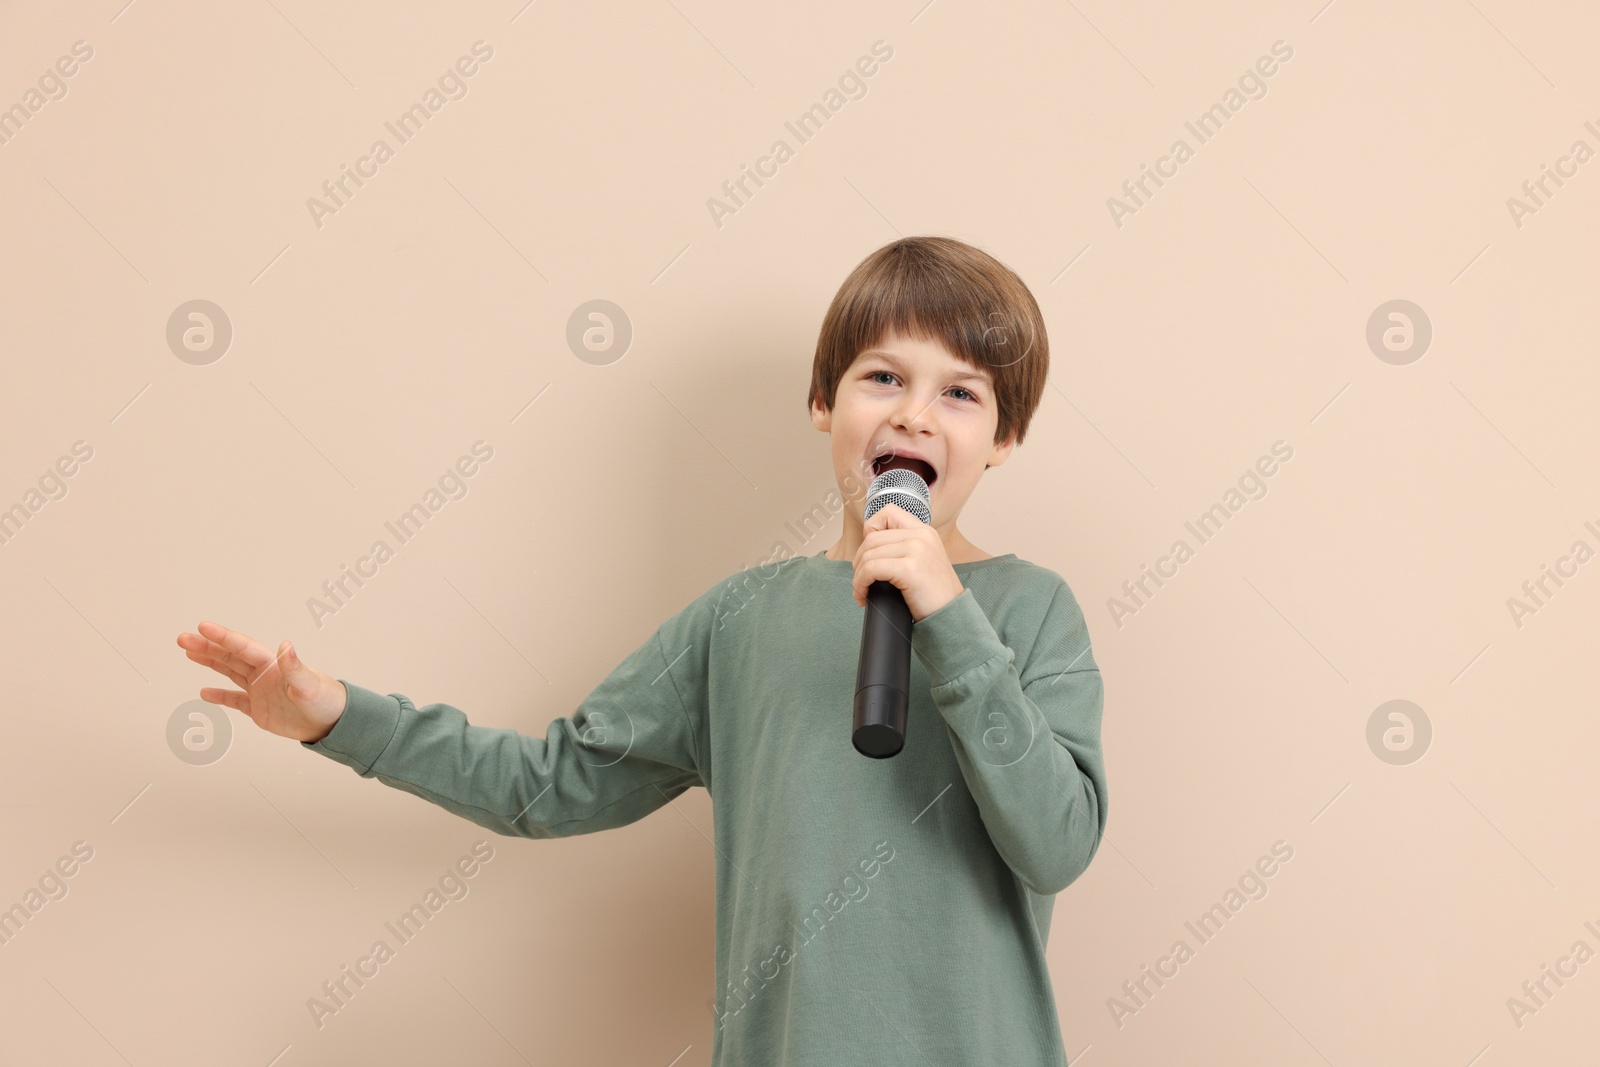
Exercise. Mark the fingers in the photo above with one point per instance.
(243, 659)
(871, 568)
(227, 697)
(243, 646)
(876, 541)
(888, 550)
(214, 655)
(221, 668)
(881, 519)
(874, 531)
(247, 656)
(255, 672)
(897, 549)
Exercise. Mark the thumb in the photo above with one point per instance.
(294, 672)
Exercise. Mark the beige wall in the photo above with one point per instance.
(371, 347)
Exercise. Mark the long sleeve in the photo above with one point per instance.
(1028, 740)
(630, 747)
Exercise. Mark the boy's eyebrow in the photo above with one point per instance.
(890, 357)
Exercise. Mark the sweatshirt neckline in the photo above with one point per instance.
(821, 560)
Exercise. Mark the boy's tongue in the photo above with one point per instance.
(902, 463)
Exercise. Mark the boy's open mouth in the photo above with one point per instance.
(893, 461)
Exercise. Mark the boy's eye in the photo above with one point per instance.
(970, 395)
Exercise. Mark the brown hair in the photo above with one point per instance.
(944, 290)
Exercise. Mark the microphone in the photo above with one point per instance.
(883, 675)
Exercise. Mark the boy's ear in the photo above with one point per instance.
(821, 418)
(1001, 452)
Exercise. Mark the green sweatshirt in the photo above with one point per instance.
(887, 911)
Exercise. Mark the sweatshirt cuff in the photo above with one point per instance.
(363, 731)
(955, 639)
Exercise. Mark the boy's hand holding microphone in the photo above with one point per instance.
(280, 694)
(903, 550)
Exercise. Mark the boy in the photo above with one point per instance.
(868, 911)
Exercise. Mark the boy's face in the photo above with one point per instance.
(914, 395)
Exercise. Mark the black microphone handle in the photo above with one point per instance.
(883, 677)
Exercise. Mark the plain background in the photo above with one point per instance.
(368, 354)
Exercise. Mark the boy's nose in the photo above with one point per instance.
(912, 410)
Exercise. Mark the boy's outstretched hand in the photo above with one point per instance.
(899, 548)
(281, 695)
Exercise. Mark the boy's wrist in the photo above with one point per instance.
(364, 729)
(344, 705)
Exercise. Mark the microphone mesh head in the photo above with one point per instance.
(902, 487)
